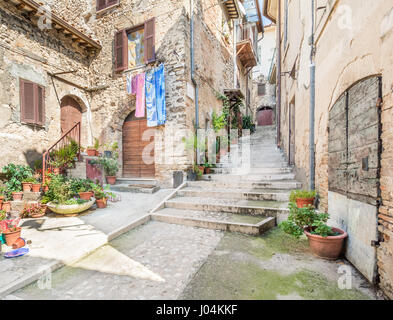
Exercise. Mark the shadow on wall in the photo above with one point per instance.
(32, 156)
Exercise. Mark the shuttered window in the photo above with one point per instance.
(261, 89)
(32, 103)
(121, 46)
(102, 4)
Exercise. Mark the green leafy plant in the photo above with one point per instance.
(110, 165)
(301, 194)
(65, 156)
(30, 180)
(198, 171)
(219, 121)
(15, 175)
(81, 185)
(248, 124)
(3, 215)
(59, 190)
(114, 149)
(307, 217)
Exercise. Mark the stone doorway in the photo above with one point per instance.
(265, 116)
(354, 170)
(71, 114)
(138, 148)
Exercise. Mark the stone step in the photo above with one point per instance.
(135, 181)
(251, 170)
(285, 185)
(250, 177)
(248, 207)
(135, 188)
(270, 164)
(238, 194)
(216, 220)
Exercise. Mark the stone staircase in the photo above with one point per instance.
(249, 196)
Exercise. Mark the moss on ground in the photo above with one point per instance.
(226, 277)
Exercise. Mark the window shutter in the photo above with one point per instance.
(112, 2)
(27, 112)
(150, 49)
(40, 106)
(101, 4)
(121, 54)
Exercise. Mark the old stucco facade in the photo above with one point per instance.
(33, 54)
(353, 41)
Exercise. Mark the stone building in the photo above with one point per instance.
(72, 67)
(353, 143)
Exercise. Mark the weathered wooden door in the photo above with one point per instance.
(138, 148)
(354, 165)
(71, 114)
(265, 117)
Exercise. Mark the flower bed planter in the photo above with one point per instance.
(111, 180)
(70, 209)
(36, 187)
(327, 247)
(11, 237)
(17, 196)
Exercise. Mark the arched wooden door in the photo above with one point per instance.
(265, 117)
(138, 149)
(71, 114)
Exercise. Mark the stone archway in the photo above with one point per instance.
(265, 116)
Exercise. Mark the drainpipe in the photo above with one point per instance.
(193, 64)
(234, 54)
(312, 102)
(278, 76)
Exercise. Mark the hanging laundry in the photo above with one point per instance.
(160, 94)
(151, 106)
(140, 96)
(134, 84)
(129, 83)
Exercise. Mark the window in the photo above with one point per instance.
(32, 103)
(103, 4)
(135, 47)
(261, 89)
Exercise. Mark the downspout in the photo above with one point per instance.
(234, 55)
(312, 102)
(194, 82)
(278, 76)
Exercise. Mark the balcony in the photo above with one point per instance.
(246, 45)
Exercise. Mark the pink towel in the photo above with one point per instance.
(140, 96)
(133, 84)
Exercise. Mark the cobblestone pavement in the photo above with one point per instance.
(154, 261)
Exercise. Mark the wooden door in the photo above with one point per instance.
(265, 117)
(135, 145)
(71, 114)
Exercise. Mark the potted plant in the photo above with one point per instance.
(33, 211)
(11, 231)
(207, 167)
(15, 175)
(198, 170)
(6, 206)
(36, 186)
(92, 151)
(325, 241)
(302, 198)
(111, 150)
(110, 166)
(2, 196)
(101, 199)
(28, 183)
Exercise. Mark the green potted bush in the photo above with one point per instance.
(207, 167)
(302, 198)
(110, 166)
(15, 175)
(92, 151)
(325, 241)
(27, 184)
(36, 186)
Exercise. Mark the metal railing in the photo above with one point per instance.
(74, 134)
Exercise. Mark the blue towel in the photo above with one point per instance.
(151, 105)
(160, 94)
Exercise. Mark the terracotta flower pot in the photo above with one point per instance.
(85, 195)
(56, 171)
(26, 186)
(111, 179)
(91, 152)
(327, 247)
(45, 188)
(36, 187)
(19, 243)
(17, 196)
(201, 169)
(304, 202)
(101, 203)
(1, 202)
(11, 237)
(208, 170)
(6, 206)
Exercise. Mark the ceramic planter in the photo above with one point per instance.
(85, 195)
(17, 196)
(111, 179)
(36, 187)
(328, 248)
(6, 206)
(26, 186)
(304, 202)
(71, 208)
(11, 237)
(101, 203)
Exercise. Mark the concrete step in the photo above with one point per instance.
(270, 164)
(250, 177)
(135, 188)
(250, 207)
(238, 194)
(135, 181)
(216, 220)
(251, 170)
(285, 185)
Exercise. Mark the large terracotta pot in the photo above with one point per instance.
(304, 202)
(91, 152)
(111, 179)
(101, 203)
(6, 206)
(26, 186)
(36, 187)
(85, 195)
(11, 237)
(17, 196)
(327, 247)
